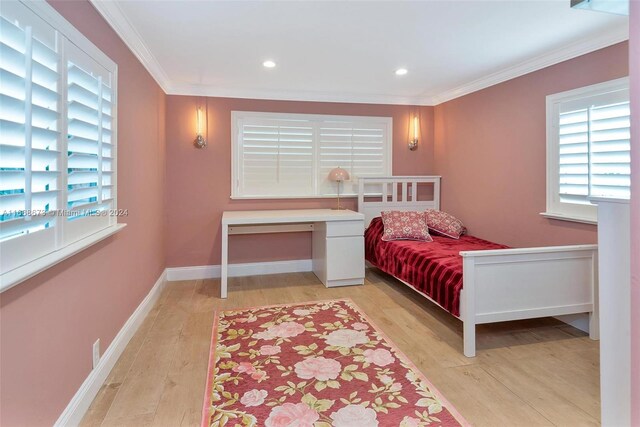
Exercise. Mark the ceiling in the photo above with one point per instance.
(348, 51)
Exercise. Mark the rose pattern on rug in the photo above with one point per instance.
(316, 364)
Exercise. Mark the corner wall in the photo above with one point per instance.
(199, 180)
(50, 322)
(634, 75)
(490, 148)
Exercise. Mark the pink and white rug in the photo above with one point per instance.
(316, 364)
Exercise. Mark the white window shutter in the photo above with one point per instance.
(88, 188)
(359, 147)
(290, 155)
(610, 143)
(574, 156)
(594, 147)
(29, 125)
(588, 149)
(56, 118)
(276, 157)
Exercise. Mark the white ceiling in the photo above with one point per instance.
(348, 51)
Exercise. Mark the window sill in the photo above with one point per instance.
(24, 272)
(328, 196)
(562, 217)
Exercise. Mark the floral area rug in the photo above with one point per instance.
(315, 364)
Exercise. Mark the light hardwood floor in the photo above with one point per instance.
(527, 373)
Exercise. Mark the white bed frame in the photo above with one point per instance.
(502, 284)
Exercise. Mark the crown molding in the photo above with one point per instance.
(115, 17)
(582, 47)
(291, 95)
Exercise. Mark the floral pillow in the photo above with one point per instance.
(400, 225)
(444, 223)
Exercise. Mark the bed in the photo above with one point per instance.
(476, 280)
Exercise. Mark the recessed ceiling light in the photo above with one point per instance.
(401, 71)
(269, 64)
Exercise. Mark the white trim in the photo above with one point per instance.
(555, 208)
(326, 196)
(616, 362)
(79, 404)
(13, 277)
(571, 218)
(292, 95)
(30, 257)
(582, 47)
(199, 272)
(314, 121)
(115, 17)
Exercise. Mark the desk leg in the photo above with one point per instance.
(225, 261)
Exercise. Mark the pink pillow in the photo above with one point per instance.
(445, 224)
(400, 225)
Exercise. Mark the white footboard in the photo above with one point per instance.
(512, 284)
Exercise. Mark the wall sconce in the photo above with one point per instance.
(413, 143)
(201, 119)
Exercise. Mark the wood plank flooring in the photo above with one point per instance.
(527, 373)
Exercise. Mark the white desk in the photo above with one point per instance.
(338, 240)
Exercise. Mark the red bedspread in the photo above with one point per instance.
(433, 268)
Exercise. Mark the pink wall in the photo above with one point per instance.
(490, 148)
(49, 323)
(199, 181)
(634, 74)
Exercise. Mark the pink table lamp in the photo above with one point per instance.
(338, 175)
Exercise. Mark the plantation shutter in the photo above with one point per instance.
(610, 142)
(57, 141)
(276, 157)
(89, 149)
(594, 144)
(357, 147)
(30, 135)
(290, 155)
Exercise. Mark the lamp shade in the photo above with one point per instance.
(338, 174)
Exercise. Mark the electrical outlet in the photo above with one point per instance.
(96, 353)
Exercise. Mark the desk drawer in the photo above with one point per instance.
(345, 228)
(345, 258)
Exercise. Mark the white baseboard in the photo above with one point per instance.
(236, 270)
(79, 404)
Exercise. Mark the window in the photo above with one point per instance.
(290, 155)
(588, 149)
(58, 145)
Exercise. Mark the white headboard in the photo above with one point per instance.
(383, 194)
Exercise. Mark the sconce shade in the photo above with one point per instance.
(338, 175)
(413, 139)
(200, 142)
(199, 121)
